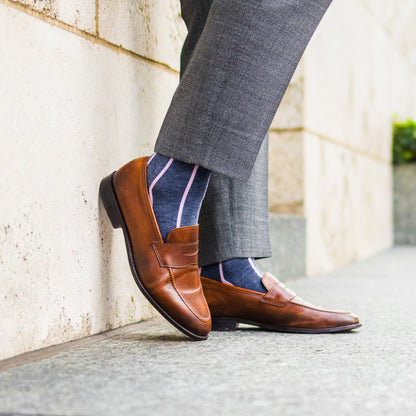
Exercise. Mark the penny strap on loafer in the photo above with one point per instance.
(176, 256)
(278, 294)
(181, 248)
(166, 272)
(277, 310)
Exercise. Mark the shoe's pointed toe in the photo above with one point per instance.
(277, 310)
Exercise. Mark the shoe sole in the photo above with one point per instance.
(109, 199)
(230, 324)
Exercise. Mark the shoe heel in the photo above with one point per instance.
(109, 200)
(224, 324)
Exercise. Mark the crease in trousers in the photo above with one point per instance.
(236, 63)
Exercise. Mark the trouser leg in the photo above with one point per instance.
(234, 215)
(234, 81)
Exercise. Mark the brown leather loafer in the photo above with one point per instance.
(166, 273)
(277, 310)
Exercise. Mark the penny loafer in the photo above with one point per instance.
(166, 273)
(277, 310)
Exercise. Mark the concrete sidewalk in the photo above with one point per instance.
(154, 370)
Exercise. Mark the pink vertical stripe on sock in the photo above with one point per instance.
(205, 193)
(222, 276)
(185, 194)
(161, 173)
(254, 266)
(150, 158)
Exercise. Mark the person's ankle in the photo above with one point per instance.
(241, 272)
(176, 190)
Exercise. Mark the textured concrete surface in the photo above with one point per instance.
(72, 112)
(288, 241)
(348, 205)
(78, 13)
(398, 23)
(155, 370)
(151, 28)
(286, 172)
(355, 105)
(330, 146)
(405, 204)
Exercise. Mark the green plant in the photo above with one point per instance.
(404, 142)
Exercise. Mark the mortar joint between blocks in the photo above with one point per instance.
(92, 37)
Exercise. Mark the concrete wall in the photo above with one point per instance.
(405, 204)
(84, 88)
(331, 140)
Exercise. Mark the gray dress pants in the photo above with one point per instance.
(236, 64)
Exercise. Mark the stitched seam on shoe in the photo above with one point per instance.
(178, 229)
(319, 310)
(277, 304)
(246, 291)
(160, 260)
(149, 209)
(232, 288)
(197, 315)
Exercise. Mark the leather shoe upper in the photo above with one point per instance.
(168, 271)
(280, 308)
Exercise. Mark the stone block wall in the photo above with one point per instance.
(84, 88)
(404, 178)
(331, 140)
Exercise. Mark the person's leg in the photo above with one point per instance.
(218, 118)
(233, 220)
(234, 229)
(235, 80)
(234, 215)
(176, 191)
(172, 182)
(234, 226)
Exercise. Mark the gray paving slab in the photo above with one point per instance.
(154, 370)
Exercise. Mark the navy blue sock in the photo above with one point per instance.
(237, 272)
(176, 191)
